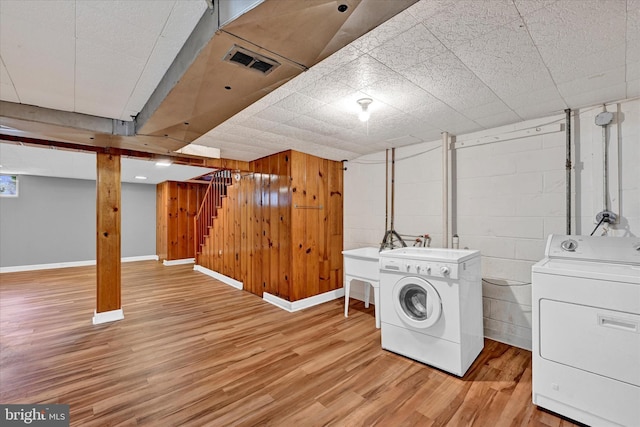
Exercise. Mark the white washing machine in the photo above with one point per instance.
(586, 329)
(431, 306)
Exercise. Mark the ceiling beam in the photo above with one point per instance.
(180, 159)
(31, 113)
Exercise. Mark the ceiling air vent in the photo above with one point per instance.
(247, 59)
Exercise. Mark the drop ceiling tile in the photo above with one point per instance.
(486, 110)
(335, 154)
(633, 31)
(426, 9)
(97, 68)
(43, 15)
(445, 118)
(403, 141)
(605, 79)
(361, 72)
(546, 96)
(330, 114)
(326, 89)
(24, 47)
(183, 18)
(506, 60)
(564, 69)
(95, 26)
(462, 21)
(526, 7)
(385, 31)
(242, 142)
(346, 145)
(150, 15)
(313, 125)
(389, 125)
(161, 58)
(337, 60)
(7, 91)
(633, 88)
(276, 138)
(595, 96)
(277, 114)
(237, 130)
(299, 103)
(418, 128)
(357, 135)
(400, 93)
(273, 97)
(499, 119)
(540, 109)
(633, 71)
(565, 29)
(302, 80)
(409, 48)
(254, 122)
(449, 80)
(301, 135)
(245, 154)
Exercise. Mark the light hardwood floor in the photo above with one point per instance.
(193, 351)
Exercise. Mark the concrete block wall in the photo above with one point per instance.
(507, 197)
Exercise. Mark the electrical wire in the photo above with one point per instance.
(381, 162)
(600, 223)
(501, 284)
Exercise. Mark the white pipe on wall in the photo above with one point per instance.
(445, 189)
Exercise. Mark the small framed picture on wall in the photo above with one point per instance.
(8, 186)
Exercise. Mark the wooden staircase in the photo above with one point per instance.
(208, 211)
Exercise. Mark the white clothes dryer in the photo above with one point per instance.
(586, 329)
(431, 306)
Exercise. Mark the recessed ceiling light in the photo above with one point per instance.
(163, 163)
(140, 177)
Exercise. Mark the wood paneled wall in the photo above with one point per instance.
(279, 230)
(176, 205)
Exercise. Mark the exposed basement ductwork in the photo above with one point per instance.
(219, 71)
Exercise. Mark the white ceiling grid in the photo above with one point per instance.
(99, 57)
(452, 65)
(441, 65)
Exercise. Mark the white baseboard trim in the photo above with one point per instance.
(19, 268)
(221, 277)
(179, 261)
(303, 303)
(141, 258)
(34, 267)
(107, 316)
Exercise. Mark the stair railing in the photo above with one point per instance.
(216, 191)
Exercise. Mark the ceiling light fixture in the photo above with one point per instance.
(163, 163)
(140, 177)
(364, 104)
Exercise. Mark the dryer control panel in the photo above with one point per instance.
(621, 250)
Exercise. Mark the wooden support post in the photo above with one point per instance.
(108, 190)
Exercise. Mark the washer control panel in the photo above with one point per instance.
(420, 268)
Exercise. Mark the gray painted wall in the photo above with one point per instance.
(54, 220)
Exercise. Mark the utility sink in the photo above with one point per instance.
(362, 263)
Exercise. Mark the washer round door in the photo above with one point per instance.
(417, 302)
